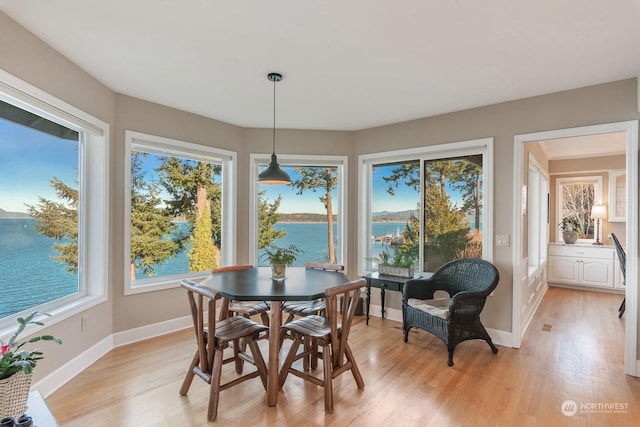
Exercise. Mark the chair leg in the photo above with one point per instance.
(327, 367)
(186, 384)
(214, 393)
(259, 361)
(239, 346)
(450, 360)
(284, 371)
(622, 308)
(357, 376)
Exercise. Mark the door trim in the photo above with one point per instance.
(631, 363)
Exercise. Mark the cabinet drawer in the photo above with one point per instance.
(582, 251)
(387, 285)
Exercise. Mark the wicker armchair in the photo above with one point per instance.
(454, 319)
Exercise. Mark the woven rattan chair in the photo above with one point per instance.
(622, 258)
(456, 318)
(209, 358)
(328, 338)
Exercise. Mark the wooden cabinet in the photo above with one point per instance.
(582, 265)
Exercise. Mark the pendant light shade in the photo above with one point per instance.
(273, 174)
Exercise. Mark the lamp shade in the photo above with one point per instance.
(598, 212)
(273, 174)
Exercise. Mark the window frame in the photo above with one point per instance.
(596, 180)
(93, 187)
(366, 162)
(161, 145)
(293, 160)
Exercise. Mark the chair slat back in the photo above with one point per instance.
(340, 315)
(324, 266)
(203, 299)
(622, 256)
(467, 274)
(231, 268)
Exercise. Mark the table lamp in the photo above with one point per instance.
(598, 212)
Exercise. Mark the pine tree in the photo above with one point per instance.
(193, 191)
(267, 219)
(324, 179)
(203, 253)
(150, 224)
(59, 221)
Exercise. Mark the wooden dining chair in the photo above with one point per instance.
(213, 338)
(243, 308)
(328, 337)
(622, 259)
(306, 308)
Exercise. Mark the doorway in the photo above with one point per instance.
(630, 130)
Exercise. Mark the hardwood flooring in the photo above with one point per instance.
(573, 351)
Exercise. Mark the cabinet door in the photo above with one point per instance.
(563, 269)
(597, 272)
(618, 278)
(617, 195)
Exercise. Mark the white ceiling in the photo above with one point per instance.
(347, 65)
(605, 144)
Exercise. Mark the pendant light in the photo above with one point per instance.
(273, 174)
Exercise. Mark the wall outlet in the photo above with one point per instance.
(502, 240)
(83, 322)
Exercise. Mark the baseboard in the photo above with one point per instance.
(150, 331)
(69, 370)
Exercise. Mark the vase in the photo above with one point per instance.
(14, 392)
(570, 237)
(278, 271)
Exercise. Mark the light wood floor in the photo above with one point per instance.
(573, 350)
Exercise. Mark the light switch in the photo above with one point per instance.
(502, 240)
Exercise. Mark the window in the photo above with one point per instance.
(309, 213)
(176, 219)
(53, 197)
(575, 198)
(428, 204)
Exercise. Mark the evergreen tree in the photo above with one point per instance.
(150, 224)
(59, 221)
(267, 218)
(193, 190)
(324, 179)
(203, 253)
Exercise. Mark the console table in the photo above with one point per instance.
(38, 410)
(384, 283)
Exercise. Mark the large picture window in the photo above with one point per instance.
(52, 169)
(175, 211)
(308, 214)
(425, 206)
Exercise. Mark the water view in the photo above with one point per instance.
(30, 276)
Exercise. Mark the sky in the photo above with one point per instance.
(29, 159)
(404, 199)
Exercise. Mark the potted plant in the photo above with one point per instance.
(570, 227)
(16, 367)
(398, 263)
(280, 258)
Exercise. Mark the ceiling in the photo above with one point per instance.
(347, 65)
(604, 144)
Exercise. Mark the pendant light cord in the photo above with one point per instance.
(274, 116)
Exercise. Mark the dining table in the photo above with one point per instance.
(256, 284)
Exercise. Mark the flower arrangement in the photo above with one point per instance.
(13, 359)
(569, 224)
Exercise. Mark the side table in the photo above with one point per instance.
(38, 410)
(384, 283)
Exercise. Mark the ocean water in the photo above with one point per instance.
(29, 276)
